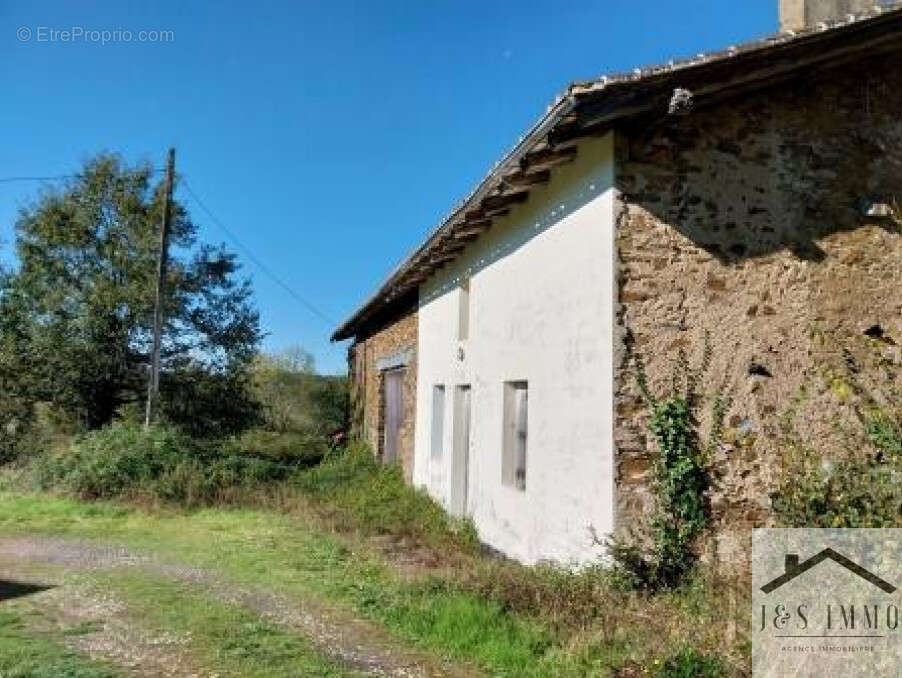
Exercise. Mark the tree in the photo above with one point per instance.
(16, 410)
(82, 298)
(283, 383)
(294, 398)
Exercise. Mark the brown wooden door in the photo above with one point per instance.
(393, 413)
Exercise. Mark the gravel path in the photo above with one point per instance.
(111, 635)
(356, 643)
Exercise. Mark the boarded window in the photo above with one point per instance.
(463, 320)
(438, 420)
(516, 434)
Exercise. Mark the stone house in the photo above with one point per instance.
(743, 193)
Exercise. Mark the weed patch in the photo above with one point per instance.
(690, 663)
(361, 494)
(859, 486)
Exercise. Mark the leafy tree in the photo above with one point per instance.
(294, 398)
(82, 302)
(282, 383)
(16, 411)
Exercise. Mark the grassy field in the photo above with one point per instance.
(24, 652)
(353, 538)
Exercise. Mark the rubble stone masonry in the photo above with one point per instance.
(367, 384)
(749, 219)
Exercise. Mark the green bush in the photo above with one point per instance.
(297, 449)
(885, 434)
(690, 663)
(17, 433)
(374, 498)
(208, 404)
(862, 489)
(161, 462)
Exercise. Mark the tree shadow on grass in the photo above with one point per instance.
(15, 589)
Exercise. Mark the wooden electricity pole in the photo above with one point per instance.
(153, 384)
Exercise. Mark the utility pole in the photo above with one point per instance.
(153, 385)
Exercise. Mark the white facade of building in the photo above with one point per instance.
(540, 316)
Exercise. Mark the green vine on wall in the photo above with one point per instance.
(681, 478)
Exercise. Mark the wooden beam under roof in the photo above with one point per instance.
(497, 202)
(441, 256)
(472, 230)
(468, 236)
(500, 212)
(547, 158)
(474, 223)
(523, 179)
(424, 268)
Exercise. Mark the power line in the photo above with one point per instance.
(58, 177)
(9, 180)
(200, 203)
(250, 255)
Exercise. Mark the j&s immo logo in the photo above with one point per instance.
(826, 602)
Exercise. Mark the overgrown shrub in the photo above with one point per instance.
(16, 427)
(161, 462)
(563, 597)
(613, 631)
(295, 449)
(856, 492)
(859, 484)
(863, 489)
(374, 499)
(681, 477)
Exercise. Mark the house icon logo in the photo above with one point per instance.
(831, 603)
(793, 568)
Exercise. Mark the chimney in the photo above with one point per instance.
(798, 14)
(791, 563)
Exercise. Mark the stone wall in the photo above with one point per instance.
(747, 220)
(364, 358)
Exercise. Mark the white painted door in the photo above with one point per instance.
(460, 456)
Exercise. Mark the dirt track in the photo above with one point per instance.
(355, 643)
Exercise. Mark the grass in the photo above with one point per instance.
(351, 532)
(282, 553)
(217, 638)
(24, 652)
(508, 619)
(225, 639)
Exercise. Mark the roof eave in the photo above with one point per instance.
(639, 92)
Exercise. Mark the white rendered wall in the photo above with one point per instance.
(542, 310)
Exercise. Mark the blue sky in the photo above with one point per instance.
(329, 136)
